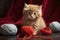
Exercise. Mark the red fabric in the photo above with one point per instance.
(46, 31)
(51, 11)
(14, 12)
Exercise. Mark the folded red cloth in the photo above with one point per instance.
(46, 31)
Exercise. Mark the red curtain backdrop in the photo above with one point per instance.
(14, 14)
(51, 10)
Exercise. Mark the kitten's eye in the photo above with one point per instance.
(34, 13)
(29, 13)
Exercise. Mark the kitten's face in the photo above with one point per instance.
(32, 12)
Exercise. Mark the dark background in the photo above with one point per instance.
(4, 5)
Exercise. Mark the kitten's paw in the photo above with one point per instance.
(35, 33)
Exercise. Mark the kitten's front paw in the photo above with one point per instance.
(35, 33)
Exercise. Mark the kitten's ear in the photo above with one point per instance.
(40, 10)
(26, 6)
(40, 7)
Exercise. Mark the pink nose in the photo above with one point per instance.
(31, 17)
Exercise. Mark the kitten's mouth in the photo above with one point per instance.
(31, 18)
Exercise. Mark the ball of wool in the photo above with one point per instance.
(55, 26)
(8, 29)
(28, 30)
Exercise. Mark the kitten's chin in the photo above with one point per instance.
(31, 19)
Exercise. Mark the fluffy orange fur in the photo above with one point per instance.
(32, 16)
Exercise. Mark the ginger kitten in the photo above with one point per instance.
(32, 16)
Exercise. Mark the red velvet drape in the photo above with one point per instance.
(50, 11)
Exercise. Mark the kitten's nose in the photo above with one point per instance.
(31, 16)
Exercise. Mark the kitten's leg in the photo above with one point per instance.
(42, 23)
(35, 29)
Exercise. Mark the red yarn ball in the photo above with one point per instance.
(46, 31)
(27, 30)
